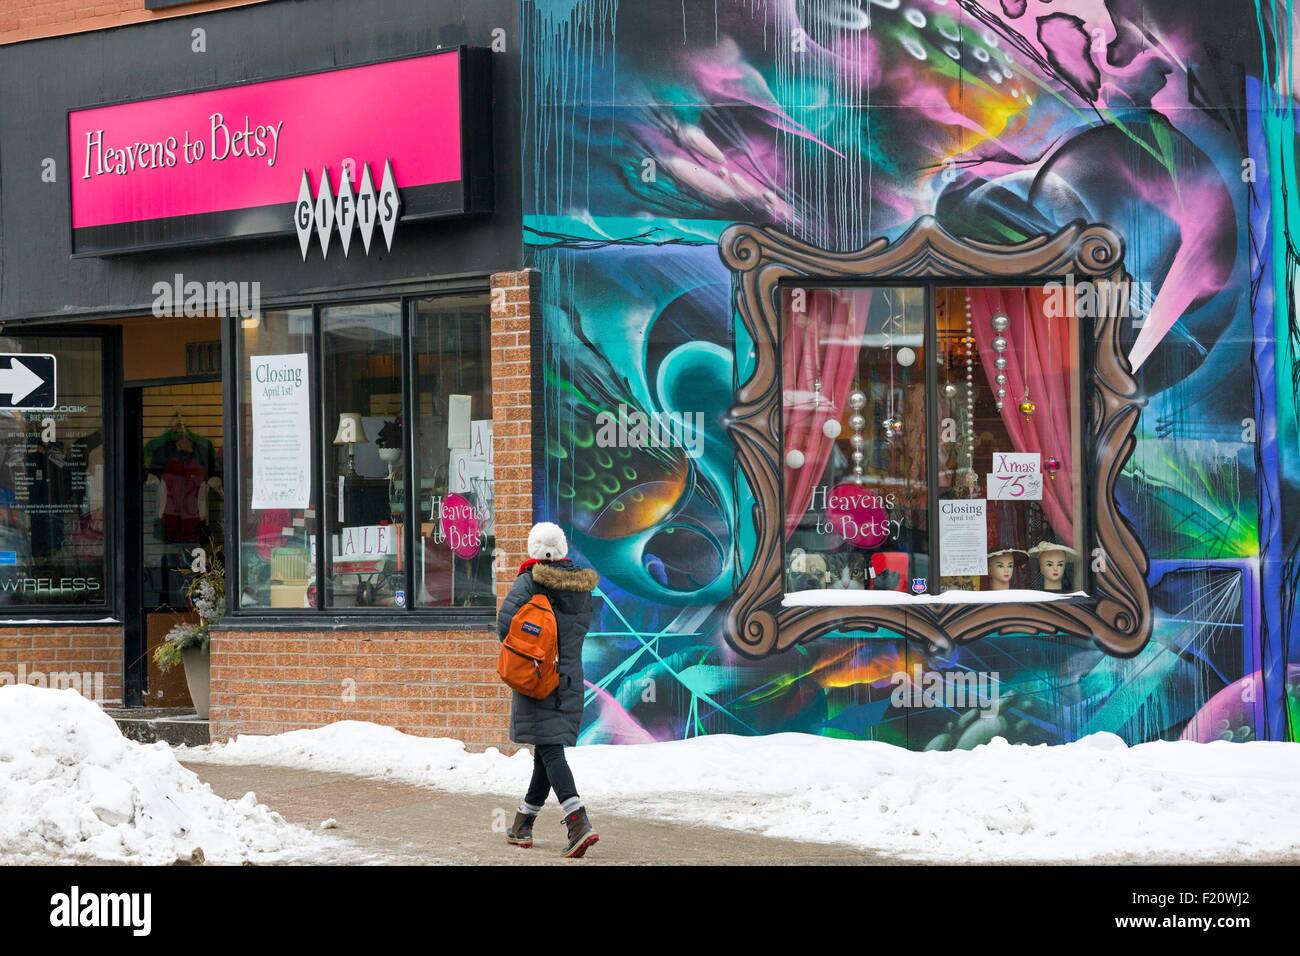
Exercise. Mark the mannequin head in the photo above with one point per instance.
(1051, 565)
(1002, 567)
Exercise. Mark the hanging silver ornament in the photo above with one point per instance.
(999, 344)
(1000, 362)
(905, 356)
(858, 441)
(1000, 378)
(857, 400)
(950, 390)
(1000, 322)
(857, 422)
(1002, 393)
(859, 457)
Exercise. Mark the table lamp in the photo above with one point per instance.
(351, 433)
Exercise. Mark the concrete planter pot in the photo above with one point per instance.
(198, 665)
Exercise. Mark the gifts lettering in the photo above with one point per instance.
(222, 140)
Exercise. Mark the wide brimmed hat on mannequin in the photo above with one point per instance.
(1043, 546)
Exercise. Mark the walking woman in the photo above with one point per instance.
(551, 723)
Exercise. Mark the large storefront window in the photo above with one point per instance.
(52, 484)
(853, 370)
(390, 543)
(453, 452)
(1009, 403)
(900, 476)
(364, 504)
(277, 517)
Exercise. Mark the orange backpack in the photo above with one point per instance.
(530, 653)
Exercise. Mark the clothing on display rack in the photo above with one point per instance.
(186, 464)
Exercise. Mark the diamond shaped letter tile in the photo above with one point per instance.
(324, 213)
(304, 216)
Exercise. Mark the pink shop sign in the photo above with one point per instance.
(228, 163)
(460, 527)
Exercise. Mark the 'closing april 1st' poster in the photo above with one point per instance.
(963, 528)
(281, 431)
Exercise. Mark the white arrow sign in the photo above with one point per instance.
(18, 381)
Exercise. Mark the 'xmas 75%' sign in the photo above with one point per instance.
(1016, 476)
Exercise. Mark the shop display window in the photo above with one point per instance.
(277, 517)
(393, 541)
(52, 484)
(930, 442)
(451, 340)
(364, 506)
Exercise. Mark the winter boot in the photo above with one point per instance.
(582, 835)
(520, 833)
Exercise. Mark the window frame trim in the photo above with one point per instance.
(325, 617)
(1118, 617)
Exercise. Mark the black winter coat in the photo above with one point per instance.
(554, 719)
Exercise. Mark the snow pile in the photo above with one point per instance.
(857, 597)
(73, 788)
(1096, 800)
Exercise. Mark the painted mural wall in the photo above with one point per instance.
(652, 126)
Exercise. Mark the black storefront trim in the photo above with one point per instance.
(419, 204)
(376, 621)
(417, 287)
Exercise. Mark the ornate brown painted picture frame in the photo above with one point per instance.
(1116, 614)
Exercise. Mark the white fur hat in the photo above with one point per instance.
(546, 542)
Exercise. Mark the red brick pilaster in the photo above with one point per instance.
(516, 415)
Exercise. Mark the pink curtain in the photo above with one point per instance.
(828, 336)
(1048, 368)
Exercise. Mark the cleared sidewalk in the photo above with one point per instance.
(388, 822)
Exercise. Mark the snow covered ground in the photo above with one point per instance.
(73, 789)
(1097, 800)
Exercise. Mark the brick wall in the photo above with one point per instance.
(435, 683)
(31, 19)
(432, 683)
(86, 658)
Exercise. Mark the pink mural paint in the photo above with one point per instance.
(460, 526)
(243, 147)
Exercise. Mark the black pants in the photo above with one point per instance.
(550, 771)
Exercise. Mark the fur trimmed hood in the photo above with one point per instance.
(564, 576)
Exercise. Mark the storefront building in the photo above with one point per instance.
(914, 372)
(274, 253)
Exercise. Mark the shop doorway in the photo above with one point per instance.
(173, 424)
(175, 437)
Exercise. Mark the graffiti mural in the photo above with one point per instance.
(653, 127)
